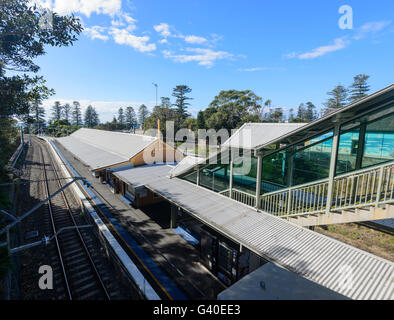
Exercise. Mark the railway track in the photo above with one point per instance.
(78, 269)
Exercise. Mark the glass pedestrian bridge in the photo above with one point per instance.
(339, 168)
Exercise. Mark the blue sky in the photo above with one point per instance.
(286, 51)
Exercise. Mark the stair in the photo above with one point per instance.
(369, 213)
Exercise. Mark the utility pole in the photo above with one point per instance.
(155, 84)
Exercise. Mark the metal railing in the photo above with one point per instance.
(367, 187)
(240, 196)
(306, 198)
(363, 188)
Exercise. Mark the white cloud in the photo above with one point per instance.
(261, 69)
(371, 27)
(96, 32)
(163, 29)
(290, 55)
(86, 7)
(195, 40)
(124, 37)
(339, 43)
(166, 31)
(204, 57)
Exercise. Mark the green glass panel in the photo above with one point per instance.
(244, 177)
(215, 177)
(312, 163)
(379, 142)
(347, 151)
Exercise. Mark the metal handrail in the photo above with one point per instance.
(366, 187)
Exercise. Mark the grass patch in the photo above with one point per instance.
(373, 241)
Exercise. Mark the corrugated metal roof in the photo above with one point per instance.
(99, 148)
(186, 164)
(94, 157)
(279, 284)
(251, 135)
(316, 257)
(123, 144)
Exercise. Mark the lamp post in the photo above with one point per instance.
(155, 84)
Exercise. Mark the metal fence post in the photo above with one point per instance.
(333, 162)
(258, 181)
(231, 179)
(380, 182)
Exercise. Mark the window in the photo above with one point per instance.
(191, 177)
(366, 141)
(379, 141)
(347, 151)
(244, 174)
(305, 162)
(275, 170)
(312, 163)
(215, 177)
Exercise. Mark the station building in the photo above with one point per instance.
(106, 152)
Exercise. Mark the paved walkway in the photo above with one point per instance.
(166, 248)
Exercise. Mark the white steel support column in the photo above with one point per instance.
(258, 180)
(231, 179)
(333, 162)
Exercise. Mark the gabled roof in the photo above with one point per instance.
(251, 135)
(100, 149)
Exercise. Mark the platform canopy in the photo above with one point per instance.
(314, 256)
(271, 282)
(101, 149)
(251, 135)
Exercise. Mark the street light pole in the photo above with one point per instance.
(155, 84)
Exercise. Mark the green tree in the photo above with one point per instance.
(181, 104)
(22, 39)
(165, 102)
(142, 114)
(57, 111)
(121, 117)
(91, 118)
(38, 115)
(130, 118)
(66, 112)
(163, 113)
(230, 109)
(301, 112)
(338, 98)
(359, 87)
(310, 112)
(200, 120)
(191, 124)
(76, 114)
(291, 115)
(277, 115)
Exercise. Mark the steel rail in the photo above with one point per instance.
(96, 272)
